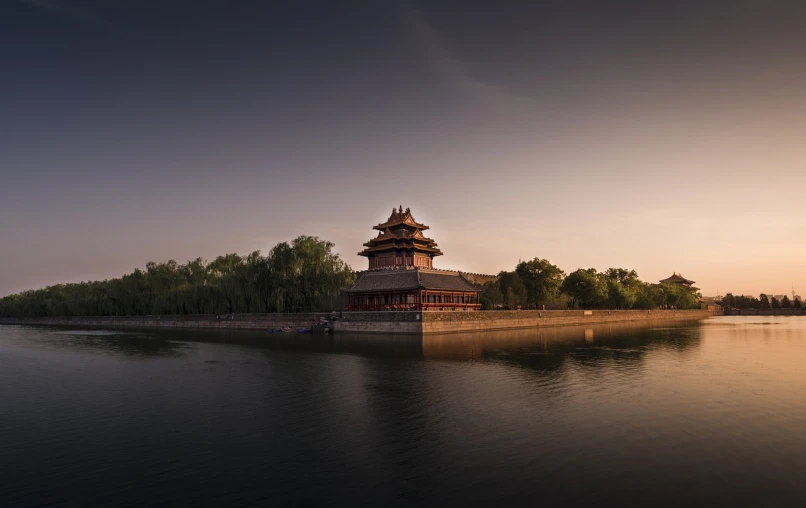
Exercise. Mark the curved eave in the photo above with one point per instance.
(413, 288)
(389, 290)
(678, 281)
(387, 248)
(389, 224)
(398, 239)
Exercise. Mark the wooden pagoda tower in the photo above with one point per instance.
(400, 243)
(401, 274)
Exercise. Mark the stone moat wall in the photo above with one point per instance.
(444, 322)
(385, 322)
(247, 321)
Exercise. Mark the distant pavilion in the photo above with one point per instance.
(678, 280)
(401, 274)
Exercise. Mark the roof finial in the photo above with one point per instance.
(400, 209)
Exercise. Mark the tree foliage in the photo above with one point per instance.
(763, 301)
(513, 289)
(585, 288)
(538, 282)
(623, 287)
(541, 279)
(301, 276)
(491, 296)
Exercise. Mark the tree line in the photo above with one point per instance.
(304, 275)
(535, 283)
(762, 302)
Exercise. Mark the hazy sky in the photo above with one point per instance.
(635, 134)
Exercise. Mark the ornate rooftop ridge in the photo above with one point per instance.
(398, 217)
(677, 277)
(400, 235)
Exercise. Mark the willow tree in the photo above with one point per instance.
(319, 273)
(305, 275)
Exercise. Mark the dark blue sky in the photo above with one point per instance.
(139, 130)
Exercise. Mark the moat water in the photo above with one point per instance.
(707, 413)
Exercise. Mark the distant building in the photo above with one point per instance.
(710, 305)
(401, 274)
(711, 302)
(678, 280)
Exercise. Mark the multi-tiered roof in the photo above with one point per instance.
(678, 279)
(401, 274)
(400, 243)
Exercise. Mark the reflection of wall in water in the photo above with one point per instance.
(549, 348)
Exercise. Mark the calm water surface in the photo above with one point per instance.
(701, 414)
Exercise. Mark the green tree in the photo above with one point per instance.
(627, 277)
(774, 303)
(623, 287)
(648, 297)
(786, 303)
(585, 288)
(541, 279)
(680, 297)
(319, 274)
(513, 289)
(305, 275)
(763, 301)
(224, 278)
(491, 296)
(619, 296)
(797, 304)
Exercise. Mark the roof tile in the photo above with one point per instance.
(399, 280)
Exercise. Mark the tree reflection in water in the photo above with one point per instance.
(549, 348)
(130, 343)
(546, 349)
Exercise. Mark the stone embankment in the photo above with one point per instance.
(451, 322)
(383, 322)
(245, 321)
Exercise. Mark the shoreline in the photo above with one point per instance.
(406, 322)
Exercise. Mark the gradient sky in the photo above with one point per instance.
(635, 134)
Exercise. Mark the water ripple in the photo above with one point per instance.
(698, 414)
